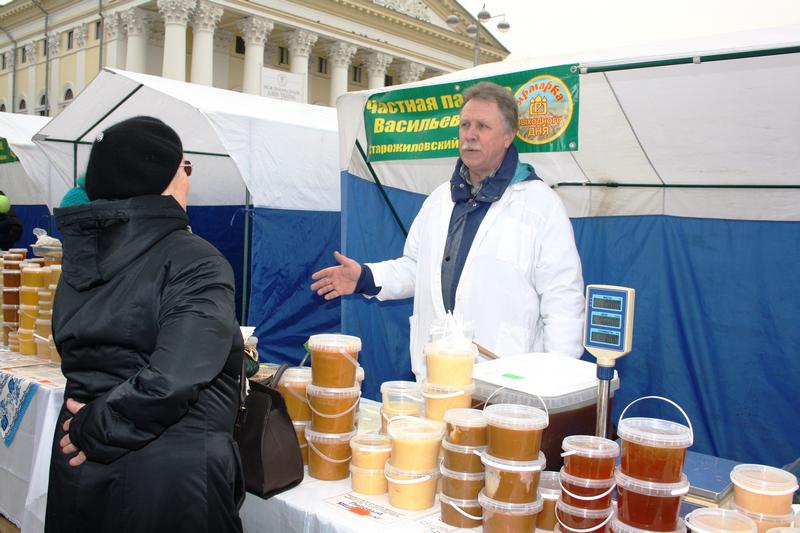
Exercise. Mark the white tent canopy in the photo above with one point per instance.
(680, 122)
(233, 139)
(26, 181)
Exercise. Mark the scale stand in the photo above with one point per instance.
(607, 335)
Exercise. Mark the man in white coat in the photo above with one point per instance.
(493, 245)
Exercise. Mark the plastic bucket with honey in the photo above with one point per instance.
(42, 346)
(576, 520)
(26, 344)
(617, 526)
(514, 432)
(28, 315)
(512, 481)
(460, 513)
(368, 481)
(648, 505)
(589, 457)
(441, 398)
(503, 517)
(328, 454)
(11, 276)
(549, 491)
(654, 449)
(706, 520)
(462, 485)
(292, 386)
(334, 359)
(450, 363)
(413, 490)
(763, 489)
(29, 295)
(765, 522)
(462, 458)
(465, 427)
(415, 443)
(300, 430)
(332, 410)
(400, 398)
(11, 296)
(32, 276)
(370, 451)
(585, 492)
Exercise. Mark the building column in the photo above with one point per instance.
(222, 47)
(11, 62)
(300, 44)
(53, 51)
(205, 20)
(30, 58)
(410, 72)
(136, 22)
(176, 15)
(377, 65)
(254, 31)
(114, 55)
(339, 56)
(79, 36)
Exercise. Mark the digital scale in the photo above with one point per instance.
(607, 335)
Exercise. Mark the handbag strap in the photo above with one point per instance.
(276, 377)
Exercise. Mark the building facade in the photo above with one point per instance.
(50, 49)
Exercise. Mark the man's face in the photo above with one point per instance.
(483, 137)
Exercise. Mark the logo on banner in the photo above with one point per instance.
(545, 109)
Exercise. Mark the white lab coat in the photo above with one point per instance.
(521, 285)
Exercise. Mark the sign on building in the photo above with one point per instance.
(283, 85)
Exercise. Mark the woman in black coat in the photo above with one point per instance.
(144, 321)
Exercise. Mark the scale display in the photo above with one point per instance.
(608, 330)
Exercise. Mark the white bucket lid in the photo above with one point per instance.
(334, 342)
(596, 514)
(404, 476)
(435, 390)
(371, 443)
(400, 387)
(463, 476)
(329, 438)
(658, 490)
(465, 417)
(523, 509)
(513, 466)
(464, 349)
(296, 374)
(550, 485)
(332, 392)
(458, 448)
(705, 520)
(655, 432)
(590, 446)
(782, 519)
(415, 428)
(763, 479)
(584, 482)
(515, 416)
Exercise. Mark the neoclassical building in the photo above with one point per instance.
(50, 49)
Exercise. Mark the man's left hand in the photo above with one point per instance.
(67, 448)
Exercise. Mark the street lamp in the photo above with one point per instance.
(473, 29)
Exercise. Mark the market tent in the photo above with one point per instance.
(25, 172)
(279, 157)
(685, 186)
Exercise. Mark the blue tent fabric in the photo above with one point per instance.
(714, 328)
(32, 216)
(287, 247)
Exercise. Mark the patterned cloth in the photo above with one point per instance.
(15, 395)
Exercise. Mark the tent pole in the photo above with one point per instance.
(380, 187)
(675, 185)
(246, 258)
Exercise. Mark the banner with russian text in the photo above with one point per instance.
(423, 122)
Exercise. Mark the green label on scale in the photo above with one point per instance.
(513, 376)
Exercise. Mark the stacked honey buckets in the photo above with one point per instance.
(28, 289)
(650, 479)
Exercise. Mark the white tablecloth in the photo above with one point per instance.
(24, 466)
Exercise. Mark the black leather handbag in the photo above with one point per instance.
(268, 444)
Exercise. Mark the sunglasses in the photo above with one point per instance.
(187, 167)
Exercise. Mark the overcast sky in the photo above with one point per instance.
(542, 28)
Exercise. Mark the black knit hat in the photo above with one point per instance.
(135, 157)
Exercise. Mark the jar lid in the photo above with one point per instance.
(434, 390)
(587, 514)
(400, 387)
(472, 418)
(550, 485)
(763, 479)
(331, 392)
(463, 476)
(707, 520)
(655, 432)
(447, 445)
(300, 424)
(490, 504)
(584, 482)
(414, 428)
(465, 349)
(516, 416)
(330, 438)
(659, 490)
(513, 466)
(334, 342)
(780, 519)
(409, 475)
(371, 443)
(618, 526)
(296, 374)
(366, 471)
(590, 446)
(458, 502)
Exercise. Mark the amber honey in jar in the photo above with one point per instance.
(22, 253)
(462, 458)
(412, 490)
(300, 431)
(462, 485)
(328, 455)
(10, 313)
(590, 457)
(653, 449)
(334, 359)
(708, 520)
(618, 526)
(514, 432)
(465, 427)
(549, 490)
(368, 481)
(512, 481)
(370, 451)
(415, 443)
(572, 518)
(763, 489)
(460, 513)
(586, 492)
(292, 386)
(32, 276)
(502, 517)
(441, 398)
(771, 523)
(648, 505)
(332, 409)
(11, 276)
(399, 398)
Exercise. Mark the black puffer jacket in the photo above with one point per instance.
(144, 321)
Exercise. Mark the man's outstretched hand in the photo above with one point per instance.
(339, 280)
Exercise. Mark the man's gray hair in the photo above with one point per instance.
(487, 91)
